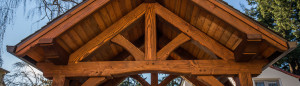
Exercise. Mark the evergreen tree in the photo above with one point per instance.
(282, 16)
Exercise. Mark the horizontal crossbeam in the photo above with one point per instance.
(120, 68)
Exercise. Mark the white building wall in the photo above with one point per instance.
(284, 79)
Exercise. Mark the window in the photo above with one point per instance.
(267, 83)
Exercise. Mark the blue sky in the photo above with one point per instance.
(23, 27)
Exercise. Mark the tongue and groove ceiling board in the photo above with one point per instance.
(178, 29)
(98, 20)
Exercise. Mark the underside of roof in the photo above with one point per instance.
(114, 39)
(226, 29)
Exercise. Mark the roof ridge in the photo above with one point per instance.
(286, 72)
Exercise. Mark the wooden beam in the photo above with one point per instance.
(140, 80)
(107, 34)
(59, 80)
(176, 42)
(60, 25)
(245, 79)
(150, 33)
(240, 22)
(292, 46)
(154, 79)
(193, 80)
(210, 81)
(194, 33)
(133, 50)
(115, 68)
(248, 48)
(94, 81)
(53, 51)
(167, 80)
(204, 49)
(183, 55)
(114, 81)
(150, 1)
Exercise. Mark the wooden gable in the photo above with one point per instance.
(112, 38)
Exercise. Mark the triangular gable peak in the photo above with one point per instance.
(193, 33)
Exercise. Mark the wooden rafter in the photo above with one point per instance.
(56, 28)
(109, 68)
(240, 22)
(133, 50)
(210, 80)
(194, 33)
(94, 81)
(204, 49)
(292, 46)
(107, 34)
(150, 33)
(167, 80)
(140, 80)
(176, 42)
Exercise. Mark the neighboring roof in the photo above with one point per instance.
(283, 71)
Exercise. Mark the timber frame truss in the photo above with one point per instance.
(152, 61)
(147, 59)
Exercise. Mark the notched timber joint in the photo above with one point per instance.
(52, 51)
(133, 50)
(248, 48)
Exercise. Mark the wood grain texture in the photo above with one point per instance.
(94, 81)
(194, 33)
(133, 50)
(241, 22)
(109, 68)
(53, 52)
(59, 80)
(210, 80)
(106, 35)
(248, 48)
(150, 33)
(292, 46)
(166, 50)
(63, 24)
(154, 79)
(245, 79)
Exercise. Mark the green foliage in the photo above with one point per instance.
(282, 16)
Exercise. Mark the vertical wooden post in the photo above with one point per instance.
(150, 33)
(209, 80)
(245, 79)
(154, 79)
(59, 80)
